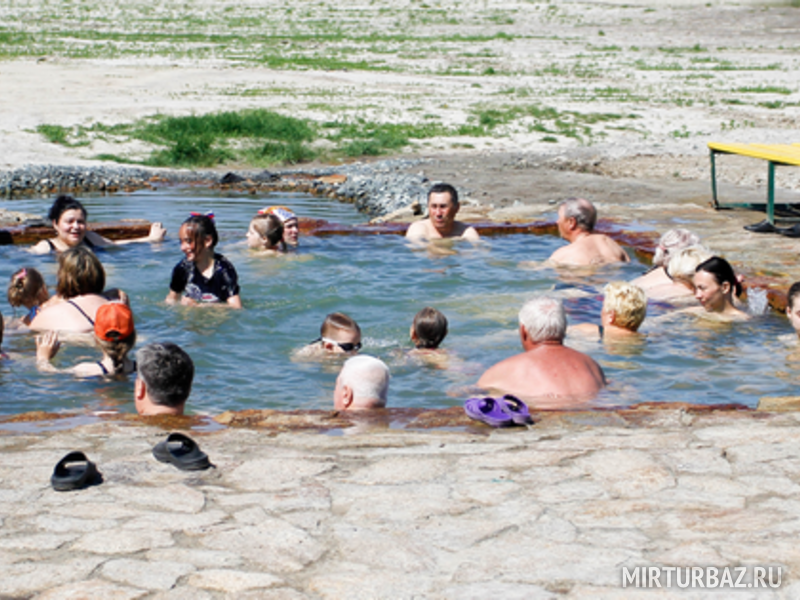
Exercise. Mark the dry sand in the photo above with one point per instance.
(686, 72)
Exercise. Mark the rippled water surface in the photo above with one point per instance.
(243, 358)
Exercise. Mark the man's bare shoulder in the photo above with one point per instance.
(418, 229)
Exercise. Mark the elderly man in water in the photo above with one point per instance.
(441, 223)
(363, 384)
(547, 374)
(576, 220)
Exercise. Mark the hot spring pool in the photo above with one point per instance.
(243, 358)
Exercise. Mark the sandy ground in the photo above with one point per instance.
(682, 73)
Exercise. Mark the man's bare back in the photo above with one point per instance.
(549, 370)
(591, 249)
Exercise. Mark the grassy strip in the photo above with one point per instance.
(262, 138)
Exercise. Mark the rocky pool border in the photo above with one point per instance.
(376, 188)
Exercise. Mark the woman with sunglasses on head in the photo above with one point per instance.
(68, 217)
(715, 284)
(204, 276)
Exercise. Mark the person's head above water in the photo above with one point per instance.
(671, 242)
(362, 384)
(429, 328)
(27, 288)
(163, 380)
(68, 217)
(581, 210)
(80, 272)
(793, 306)
(715, 284)
(544, 319)
(624, 305)
(683, 264)
(265, 232)
(115, 332)
(291, 228)
(339, 333)
(198, 234)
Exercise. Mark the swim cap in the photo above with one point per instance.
(113, 322)
(283, 213)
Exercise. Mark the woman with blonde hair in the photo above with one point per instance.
(669, 244)
(680, 271)
(624, 310)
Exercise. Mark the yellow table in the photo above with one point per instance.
(774, 154)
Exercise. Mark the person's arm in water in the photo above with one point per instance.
(157, 234)
(47, 346)
(234, 301)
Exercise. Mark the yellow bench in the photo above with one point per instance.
(774, 154)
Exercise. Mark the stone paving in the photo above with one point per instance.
(463, 512)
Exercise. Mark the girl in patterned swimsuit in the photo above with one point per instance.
(204, 276)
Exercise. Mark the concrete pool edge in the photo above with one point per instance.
(433, 420)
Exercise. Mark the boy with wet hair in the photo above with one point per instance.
(428, 329)
(339, 334)
(793, 306)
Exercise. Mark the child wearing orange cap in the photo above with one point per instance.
(115, 334)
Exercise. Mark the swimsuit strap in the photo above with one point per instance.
(102, 366)
(600, 330)
(52, 245)
(32, 313)
(80, 310)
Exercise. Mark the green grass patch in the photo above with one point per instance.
(764, 89)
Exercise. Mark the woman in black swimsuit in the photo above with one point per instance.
(69, 220)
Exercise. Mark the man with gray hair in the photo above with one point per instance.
(363, 383)
(547, 368)
(164, 374)
(576, 221)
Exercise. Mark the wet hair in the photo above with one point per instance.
(24, 287)
(200, 226)
(167, 372)
(340, 321)
(671, 242)
(683, 263)
(269, 227)
(79, 272)
(722, 271)
(793, 294)
(629, 303)
(430, 326)
(368, 377)
(582, 211)
(441, 188)
(544, 318)
(118, 349)
(61, 205)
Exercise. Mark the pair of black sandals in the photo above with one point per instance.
(76, 472)
(766, 227)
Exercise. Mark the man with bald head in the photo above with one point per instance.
(363, 384)
(576, 220)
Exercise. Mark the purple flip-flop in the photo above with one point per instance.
(516, 409)
(489, 411)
